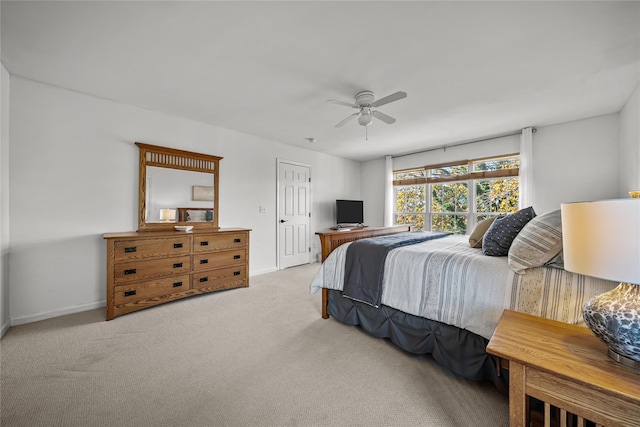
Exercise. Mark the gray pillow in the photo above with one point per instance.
(538, 242)
(498, 238)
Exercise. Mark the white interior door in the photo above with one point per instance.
(293, 214)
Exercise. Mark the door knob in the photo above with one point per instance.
(283, 220)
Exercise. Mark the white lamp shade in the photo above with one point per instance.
(167, 214)
(602, 239)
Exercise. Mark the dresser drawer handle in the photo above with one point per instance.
(236, 273)
(177, 284)
(204, 279)
(236, 257)
(204, 261)
(237, 240)
(177, 245)
(130, 271)
(130, 250)
(129, 293)
(177, 265)
(205, 243)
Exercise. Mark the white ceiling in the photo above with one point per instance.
(471, 69)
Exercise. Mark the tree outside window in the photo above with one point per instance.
(410, 205)
(438, 198)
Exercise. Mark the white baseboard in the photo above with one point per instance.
(5, 328)
(56, 313)
(265, 271)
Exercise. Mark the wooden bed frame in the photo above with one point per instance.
(329, 240)
(182, 212)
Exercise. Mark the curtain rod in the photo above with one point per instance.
(444, 147)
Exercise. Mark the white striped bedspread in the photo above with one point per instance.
(448, 281)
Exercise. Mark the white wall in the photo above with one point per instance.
(338, 179)
(373, 184)
(4, 201)
(575, 161)
(493, 147)
(630, 145)
(571, 161)
(73, 176)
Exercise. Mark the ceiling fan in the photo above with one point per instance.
(365, 102)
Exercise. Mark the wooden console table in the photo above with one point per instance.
(331, 239)
(566, 367)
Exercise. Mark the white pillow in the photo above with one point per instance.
(537, 243)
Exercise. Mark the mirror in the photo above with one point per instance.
(177, 187)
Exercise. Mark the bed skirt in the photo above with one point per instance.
(458, 350)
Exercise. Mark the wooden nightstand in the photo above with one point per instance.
(566, 367)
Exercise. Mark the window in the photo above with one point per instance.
(456, 196)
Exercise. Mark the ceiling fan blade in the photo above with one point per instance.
(347, 119)
(346, 104)
(387, 99)
(382, 116)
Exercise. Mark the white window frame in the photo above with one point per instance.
(472, 214)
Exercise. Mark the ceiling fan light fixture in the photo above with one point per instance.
(365, 119)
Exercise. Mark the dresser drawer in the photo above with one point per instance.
(222, 278)
(152, 289)
(210, 243)
(218, 259)
(142, 270)
(149, 248)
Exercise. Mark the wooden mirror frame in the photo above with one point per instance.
(153, 155)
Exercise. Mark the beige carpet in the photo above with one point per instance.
(258, 356)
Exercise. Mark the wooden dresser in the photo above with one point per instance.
(150, 268)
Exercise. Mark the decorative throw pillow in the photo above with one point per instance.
(498, 238)
(538, 242)
(475, 238)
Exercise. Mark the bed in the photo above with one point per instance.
(442, 297)
(195, 214)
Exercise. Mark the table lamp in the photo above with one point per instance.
(167, 215)
(602, 239)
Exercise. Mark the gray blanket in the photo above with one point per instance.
(364, 264)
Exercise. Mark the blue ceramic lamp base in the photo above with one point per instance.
(614, 317)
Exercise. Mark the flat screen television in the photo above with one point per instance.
(349, 212)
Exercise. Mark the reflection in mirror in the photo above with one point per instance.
(170, 189)
(176, 187)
